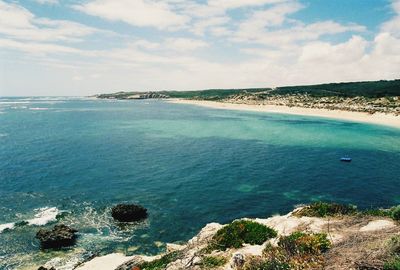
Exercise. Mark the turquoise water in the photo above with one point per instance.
(69, 160)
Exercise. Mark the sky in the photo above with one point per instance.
(84, 47)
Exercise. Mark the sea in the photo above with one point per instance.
(69, 160)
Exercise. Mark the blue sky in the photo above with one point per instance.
(57, 47)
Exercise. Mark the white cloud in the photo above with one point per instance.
(201, 26)
(185, 44)
(273, 27)
(36, 47)
(47, 2)
(145, 44)
(396, 6)
(14, 16)
(214, 8)
(387, 45)
(19, 23)
(393, 25)
(135, 12)
(254, 27)
(299, 33)
(232, 4)
(326, 53)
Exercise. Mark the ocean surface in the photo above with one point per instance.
(68, 160)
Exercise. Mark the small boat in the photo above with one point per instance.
(345, 159)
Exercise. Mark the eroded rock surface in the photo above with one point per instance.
(60, 236)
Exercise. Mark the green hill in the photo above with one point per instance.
(372, 89)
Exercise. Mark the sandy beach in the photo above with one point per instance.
(377, 118)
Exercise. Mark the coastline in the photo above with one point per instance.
(359, 117)
(377, 230)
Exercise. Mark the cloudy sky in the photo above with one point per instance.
(82, 47)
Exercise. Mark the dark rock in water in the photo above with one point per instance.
(128, 212)
(60, 236)
(44, 268)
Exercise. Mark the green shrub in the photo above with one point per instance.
(161, 263)
(377, 212)
(395, 211)
(259, 263)
(393, 264)
(394, 245)
(302, 243)
(324, 209)
(209, 262)
(240, 232)
(298, 251)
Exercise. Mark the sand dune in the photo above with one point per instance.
(377, 118)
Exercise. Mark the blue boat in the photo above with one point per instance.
(345, 159)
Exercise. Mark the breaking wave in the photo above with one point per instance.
(42, 217)
(7, 226)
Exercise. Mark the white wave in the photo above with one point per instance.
(14, 102)
(7, 226)
(44, 216)
(38, 109)
(3, 134)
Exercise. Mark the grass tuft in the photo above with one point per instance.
(296, 251)
(210, 262)
(259, 263)
(161, 263)
(393, 264)
(299, 243)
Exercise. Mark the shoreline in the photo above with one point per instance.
(359, 117)
(188, 255)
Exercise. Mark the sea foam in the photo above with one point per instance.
(38, 109)
(44, 216)
(7, 226)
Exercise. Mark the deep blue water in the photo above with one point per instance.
(188, 165)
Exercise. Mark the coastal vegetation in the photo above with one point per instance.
(324, 209)
(160, 264)
(327, 209)
(241, 232)
(370, 97)
(393, 263)
(371, 89)
(296, 251)
(211, 262)
(322, 235)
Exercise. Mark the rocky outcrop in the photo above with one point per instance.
(60, 236)
(44, 268)
(341, 231)
(128, 212)
(364, 237)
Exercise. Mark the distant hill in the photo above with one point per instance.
(370, 89)
(374, 89)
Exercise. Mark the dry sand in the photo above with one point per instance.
(377, 118)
